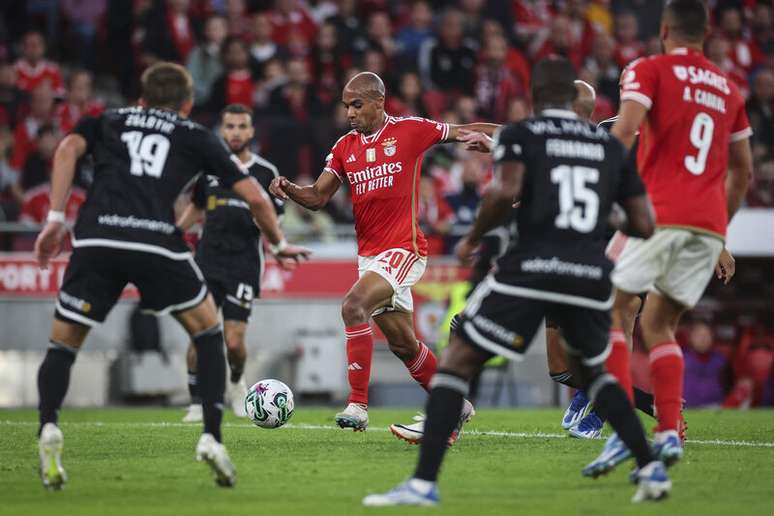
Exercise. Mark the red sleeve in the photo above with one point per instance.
(333, 162)
(426, 133)
(639, 82)
(740, 128)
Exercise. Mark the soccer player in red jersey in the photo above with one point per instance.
(381, 159)
(695, 160)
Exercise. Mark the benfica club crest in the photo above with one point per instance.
(390, 146)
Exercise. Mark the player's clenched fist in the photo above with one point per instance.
(278, 186)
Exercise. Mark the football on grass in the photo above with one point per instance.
(269, 403)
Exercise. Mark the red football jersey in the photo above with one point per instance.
(383, 171)
(28, 77)
(694, 112)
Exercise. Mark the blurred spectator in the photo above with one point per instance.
(716, 50)
(84, 16)
(464, 204)
(410, 38)
(559, 42)
(741, 51)
(518, 110)
(753, 366)
(237, 19)
(448, 61)
(603, 66)
(11, 97)
(495, 84)
(237, 84)
(347, 23)
(626, 32)
(328, 61)
(472, 17)
(515, 60)
(647, 12)
(762, 27)
(204, 61)
(760, 107)
(10, 191)
(263, 47)
(466, 110)
(704, 368)
(434, 215)
(41, 113)
(581, 31)
(170, 33)
(408, 100)
(79, 102)
(37, 166)
(762, 192)
(380, 34)
(288, 16)
(374, 61)
(33, 70)
(532, 17)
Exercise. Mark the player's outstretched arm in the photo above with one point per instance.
(640, 218)
(740, 170)
(630, 118)
(191, 215)
(312, 197)
(266, 218)
(458, 132)
(49, 241)
(496, 206)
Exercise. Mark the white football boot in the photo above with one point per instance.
(194, 414)
(50, 447)
(413, 433)
(355, 416)
(215, 455)
(236, 392)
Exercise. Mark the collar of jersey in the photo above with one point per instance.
(373, 137)
(559, 113)
(684, 51)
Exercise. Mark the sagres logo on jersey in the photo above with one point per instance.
(390, 146)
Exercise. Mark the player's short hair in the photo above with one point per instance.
(166, 85)
(236, 109)
(367, 83)
(553, 82)
(687, 18)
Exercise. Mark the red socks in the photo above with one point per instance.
(360, 347)
(422, 367)
(666, 375)
(618, 362)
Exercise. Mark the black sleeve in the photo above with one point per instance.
(510, 144)
(199, 194)
(218, 161)
(630, 184)
(90, 128)
(264, 176)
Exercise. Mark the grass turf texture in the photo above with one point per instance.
(128, 462)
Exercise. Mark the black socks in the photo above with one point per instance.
(53, 381)
(211, 377)
(612, 404)
(443, 415)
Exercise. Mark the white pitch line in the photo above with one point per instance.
(304, 426)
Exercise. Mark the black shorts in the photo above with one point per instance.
(96, 276)
(505, 324)
(233, 290)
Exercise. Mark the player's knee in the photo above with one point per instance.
(353, 310)
(234, 339)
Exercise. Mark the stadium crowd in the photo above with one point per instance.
(450, 60)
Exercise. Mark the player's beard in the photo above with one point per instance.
(238, 149)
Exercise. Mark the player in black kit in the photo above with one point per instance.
(230, 253)
(567, 174)
(144, 157)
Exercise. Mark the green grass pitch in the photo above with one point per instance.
(140, 462)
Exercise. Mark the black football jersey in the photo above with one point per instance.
(143, 159)
(229, 229)
(574, 172)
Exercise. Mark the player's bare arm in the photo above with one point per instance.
(312, 197)
(495, 207)
(266, 218)
(630, 118)
(191, 215)
(457, 133)
(49, 241)
(640, 218)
